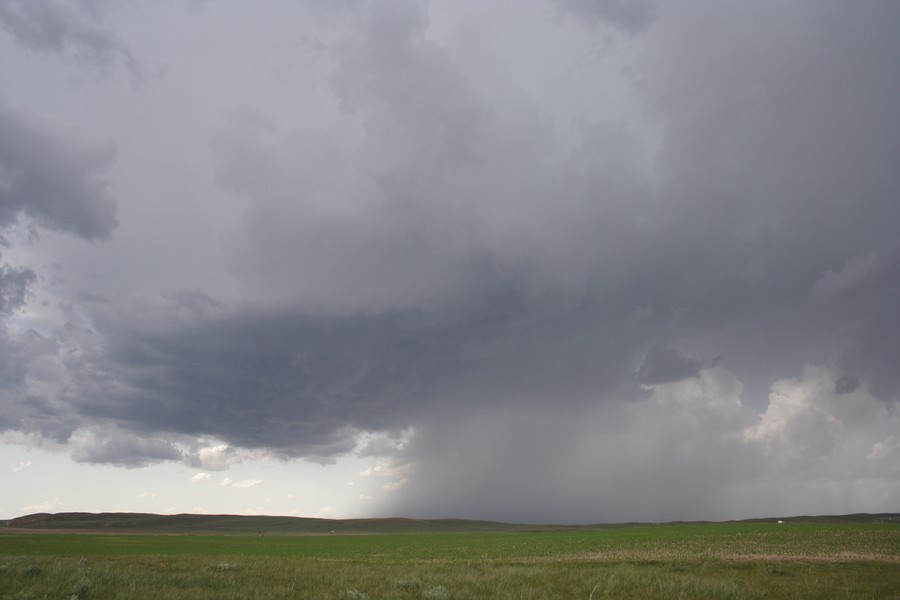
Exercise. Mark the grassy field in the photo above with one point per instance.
(717, 560)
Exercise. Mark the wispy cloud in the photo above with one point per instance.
(45, 506)
(246, 483)
(21, 466)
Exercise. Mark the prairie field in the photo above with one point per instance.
(703, 560)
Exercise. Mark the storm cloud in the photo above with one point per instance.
(14, 287)
(54, 178)
(625, 261)
(72, 29)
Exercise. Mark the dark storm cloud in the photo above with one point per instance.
(664, 365)
(73, 28)
(775, 175)
(846, 384)
(306, 386)
(615, 461)
(27, 359)
(288, 383)
(126, 451)
(861, 295)
(776, 172)
(448, 263)
(54, 178)
(534, 296)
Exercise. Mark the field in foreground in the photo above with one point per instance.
(716, 560)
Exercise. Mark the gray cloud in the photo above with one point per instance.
(846, 384)
(416, 215)
(306, 386)
(860, 296)
(13, 287)
(508, 279)
(663, 365)
(67, 27)
(29, 373)
(126, 450)
(618, 461)
(54, 178)
(370, 228)
(631, 16)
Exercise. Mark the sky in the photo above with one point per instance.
(556, 261)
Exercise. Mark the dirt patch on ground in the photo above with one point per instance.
(772, 557)
(839, 557)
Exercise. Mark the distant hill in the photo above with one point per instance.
(852, 518)
(243, 524)
(152, 523)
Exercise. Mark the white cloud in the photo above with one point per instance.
(21, 465)
(246, 483)
(395, 485)
(811, 426)
(386, 467)
(201, 477)
(395, 468)
(45, 506)
(216, 457)
(797, 425)
(884, 450)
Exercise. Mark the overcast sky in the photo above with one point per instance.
(526, 260)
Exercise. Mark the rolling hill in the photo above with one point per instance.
(250, 524)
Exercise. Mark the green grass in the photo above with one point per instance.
(713, 560)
